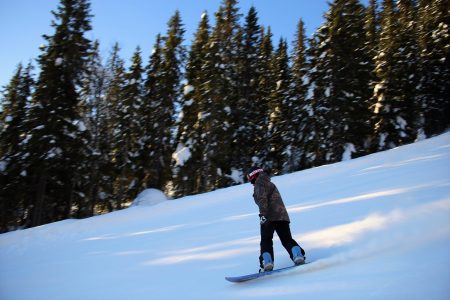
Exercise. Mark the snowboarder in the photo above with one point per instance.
(273, 217)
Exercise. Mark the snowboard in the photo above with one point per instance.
(262, 274)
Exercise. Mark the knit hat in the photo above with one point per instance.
(253, 173)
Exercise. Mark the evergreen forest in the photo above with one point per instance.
(83, 135)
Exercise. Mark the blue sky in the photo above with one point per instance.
(137, 22)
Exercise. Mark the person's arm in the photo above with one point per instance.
(261, 198)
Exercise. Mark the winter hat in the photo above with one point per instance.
(253, 173)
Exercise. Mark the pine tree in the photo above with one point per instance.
(174, 54)
(94, 113)
(14, 187)
(340, 79)
(266, 83)
(153, 113)
(434, 41)
(57, 146)
(299, 93)
(187, 178)
(114, 85)
(349, 92)
(163, 91)
(220, 99)
(248, 114)
(396, 68)
(372, 28)
(280, 108)
(315, 126)
(128, 131)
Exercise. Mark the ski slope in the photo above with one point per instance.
(377, 227)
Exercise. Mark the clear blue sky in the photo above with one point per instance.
(137, 22)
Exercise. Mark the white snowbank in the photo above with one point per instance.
(149, 197)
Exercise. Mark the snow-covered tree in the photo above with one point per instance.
(56, 147)
(128, 131)
(280, 109)
(248, 114)
(434, 40)
(189, 152)
(298, 109)
(266, 84)
(216, 116)
(14, 202)
(340, 78)
(396, 67)
(163, 91)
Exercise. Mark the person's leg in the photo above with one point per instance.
(284, 233)
(267, 230)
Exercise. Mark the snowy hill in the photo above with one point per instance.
(376, 227)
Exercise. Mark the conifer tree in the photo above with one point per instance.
(248, 114)
(372, 28)
(396, 67)
(407, 61)
(315, 125)
(14, 204)
(349, 92)
(114, 85)
(434, 40)
(153, 110)
(174, 54)
(221, 99)
(341, 82)
(163, 91)
(298, 108)
(128, 131)
(93, 107)
(189, 152)
(57, 146)
(266, 84)
(280, 109)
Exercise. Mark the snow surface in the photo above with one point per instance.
(376, 227)
(149, 197)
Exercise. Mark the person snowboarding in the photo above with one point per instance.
(273, 218)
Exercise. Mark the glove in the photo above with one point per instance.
(262, 219)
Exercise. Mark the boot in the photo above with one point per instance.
(267, 262)
(297, 256)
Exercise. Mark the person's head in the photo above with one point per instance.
(253, 173)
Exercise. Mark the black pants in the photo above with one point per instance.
(284, 233)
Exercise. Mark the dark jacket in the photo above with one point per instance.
(268, 199)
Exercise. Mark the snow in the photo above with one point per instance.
(349, 148)
(149, 197)
(59, 61)
(375, 227)
(181, 155)
(236, 175)
(80, 124)
(279, 83)
(188, 89)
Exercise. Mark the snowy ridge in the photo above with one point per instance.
(377, 227)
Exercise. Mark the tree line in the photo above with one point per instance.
(86, 135)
